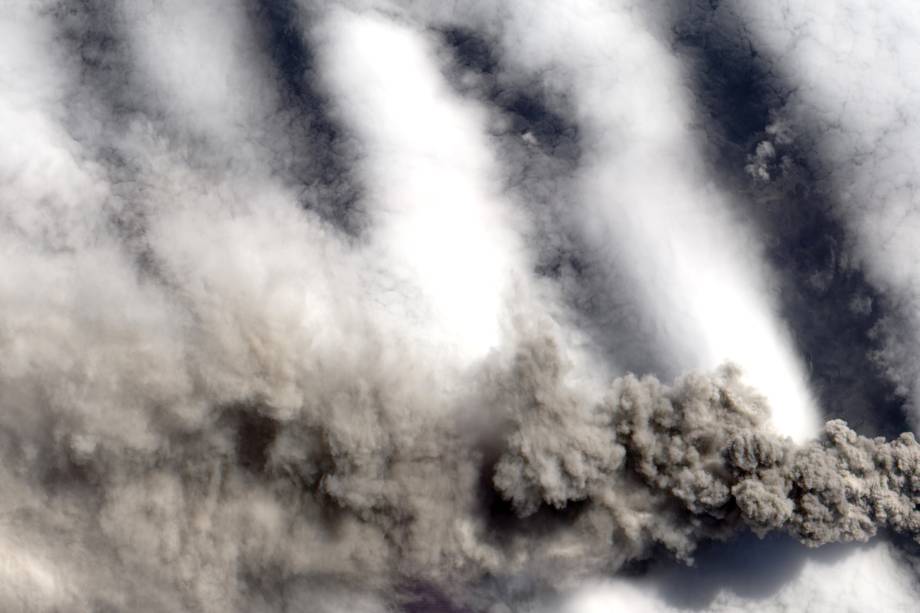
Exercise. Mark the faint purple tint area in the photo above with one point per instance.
(426, 599)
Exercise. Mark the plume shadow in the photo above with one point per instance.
(747, 566)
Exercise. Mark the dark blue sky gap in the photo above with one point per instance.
(317, 151)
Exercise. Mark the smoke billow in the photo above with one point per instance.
(376, 485)
(674, 464)
(364, 487)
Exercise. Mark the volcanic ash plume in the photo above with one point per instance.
(264, 268)
(673, 464)
(366, 489)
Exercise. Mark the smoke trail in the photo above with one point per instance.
(366, 487)
(695, 459)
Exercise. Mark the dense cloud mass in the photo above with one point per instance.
(674, 464)
(335, 306)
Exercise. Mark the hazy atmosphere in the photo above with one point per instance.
(466, 306)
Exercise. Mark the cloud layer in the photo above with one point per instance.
(332, 306)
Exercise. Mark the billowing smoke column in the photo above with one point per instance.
(253, 506)
(273, 340)
(672, 464)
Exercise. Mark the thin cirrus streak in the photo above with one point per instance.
(306, 342)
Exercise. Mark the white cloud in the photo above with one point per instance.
(202, 60)
(440, 224)
(647, 200)
(855, 88)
